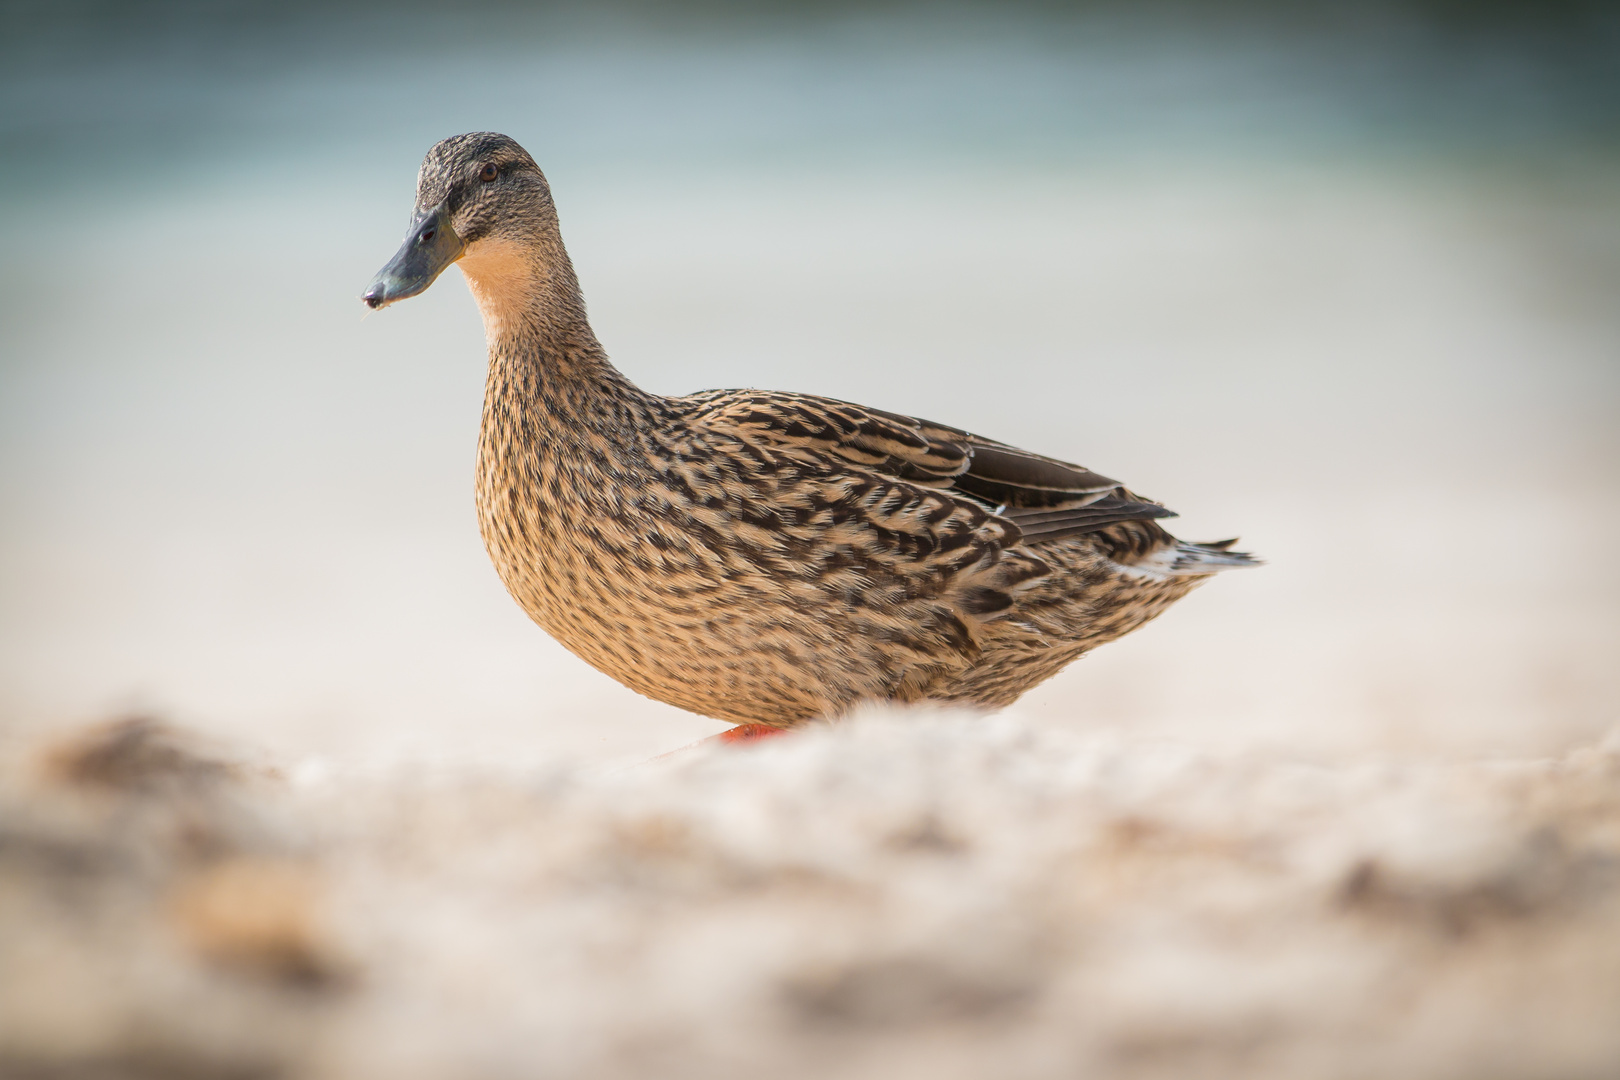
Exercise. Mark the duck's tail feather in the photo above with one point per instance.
(1209, 558)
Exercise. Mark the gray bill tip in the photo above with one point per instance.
(430, 247)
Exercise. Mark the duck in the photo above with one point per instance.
(764, 558)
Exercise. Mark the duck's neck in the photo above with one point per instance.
(544, 357)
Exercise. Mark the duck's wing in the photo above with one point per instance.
(1047, 499)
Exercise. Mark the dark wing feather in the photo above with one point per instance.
(1047, 499)
(1044, 526)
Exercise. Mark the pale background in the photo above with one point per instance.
(1346, 286)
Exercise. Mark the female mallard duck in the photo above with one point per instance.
(754, 556)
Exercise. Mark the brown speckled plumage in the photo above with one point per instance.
(769, 557)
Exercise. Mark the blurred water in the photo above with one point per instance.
(1343, 287)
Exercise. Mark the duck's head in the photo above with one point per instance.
(480, 199)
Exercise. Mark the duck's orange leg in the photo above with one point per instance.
(742, 733)
(746, 733)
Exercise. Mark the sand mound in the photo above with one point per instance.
(901, 896)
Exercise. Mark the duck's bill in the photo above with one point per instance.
(429, 247)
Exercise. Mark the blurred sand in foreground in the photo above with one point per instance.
(909, 895)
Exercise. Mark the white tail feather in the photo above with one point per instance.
(1187, 559)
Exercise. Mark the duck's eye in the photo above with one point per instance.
(489, 172)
